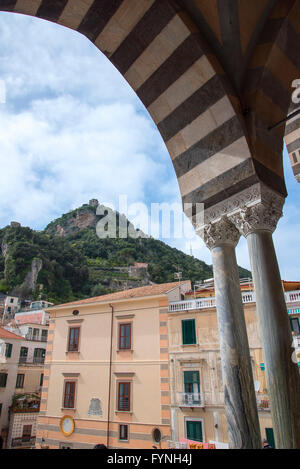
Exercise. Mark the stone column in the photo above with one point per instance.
(240, 401)
(257, 224)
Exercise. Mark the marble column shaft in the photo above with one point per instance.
(283, 380)
(240, 401)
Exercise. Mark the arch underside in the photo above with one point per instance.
(213, 75)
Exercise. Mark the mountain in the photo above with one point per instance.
(68, 261)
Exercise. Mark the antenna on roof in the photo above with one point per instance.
(178, 275)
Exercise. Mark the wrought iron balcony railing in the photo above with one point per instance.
(23, 442)
(189, 399)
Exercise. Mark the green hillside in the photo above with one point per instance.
(67, 261)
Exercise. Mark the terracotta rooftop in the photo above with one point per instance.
(140, 292)
(4, 334)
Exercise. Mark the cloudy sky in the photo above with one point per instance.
(72, 129)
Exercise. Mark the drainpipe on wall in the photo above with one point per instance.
(109, 378)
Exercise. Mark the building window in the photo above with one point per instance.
(188, 331)
(39, 355)
(73, 344)
(44, 335)
(41, 379)
(3, 380)
(156, 435)
(0, 409)
(295, 326)
(23, 355)
(20, 381)
(270, 437)
(295, 158)
(191, 387)
(8, 350)
(194, 430)
(123, 432)
(125, 336)
(124, 396)
(26, 432)
(69, 396)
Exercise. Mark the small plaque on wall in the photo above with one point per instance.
(95, 407)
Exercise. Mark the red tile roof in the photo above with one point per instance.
(140, 292)
(4, 334)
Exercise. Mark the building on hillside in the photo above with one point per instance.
(196, 389)
(107, 371)
(12, 305)
(10, 345)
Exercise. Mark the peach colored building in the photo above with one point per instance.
(106, 377)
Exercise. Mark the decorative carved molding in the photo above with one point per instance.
(256, 194)
(218, 233)
(256, 208)
(257, 217)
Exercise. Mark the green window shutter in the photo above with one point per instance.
(194, 431)
(3, 379)
(8, 350)
(188, 331)
(191, 377)
(270, 437)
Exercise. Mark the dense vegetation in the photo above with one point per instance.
(79, 264)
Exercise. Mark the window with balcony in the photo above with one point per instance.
(3, 380)
(73, 342)
(23, 355)
(123, 432)
(39, 355)
(20, 381)
(26, 436)
(191, 387)
(124, 396)
(125, 336)
(188, 332)
(69, 395)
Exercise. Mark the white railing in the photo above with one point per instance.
(292, 296)
(189, 399)
(203, 303)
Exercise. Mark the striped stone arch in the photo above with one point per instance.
(186, 72)
(268, 89)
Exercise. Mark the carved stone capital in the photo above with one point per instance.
(254, 208)
(218, 233)
(257, 217)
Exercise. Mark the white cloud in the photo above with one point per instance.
(73, 129)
